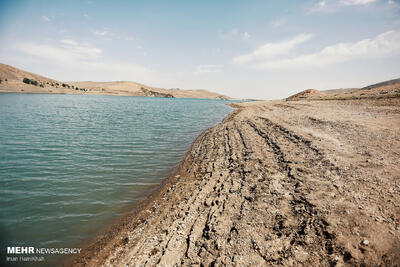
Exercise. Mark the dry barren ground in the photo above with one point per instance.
(277, 183)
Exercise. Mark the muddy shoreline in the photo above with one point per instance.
(276, 183)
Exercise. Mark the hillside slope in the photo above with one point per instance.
(138, 89)
(385, 89)
(12, 80)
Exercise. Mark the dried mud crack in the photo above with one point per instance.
(276, 183)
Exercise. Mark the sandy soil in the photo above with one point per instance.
(276, 183)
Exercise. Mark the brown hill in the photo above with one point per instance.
(137, 89)
(385, 83)
(309, 93)
(19, 81)
(384, 89)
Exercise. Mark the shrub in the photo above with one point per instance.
(1, 80)
(27, 81)
(63, 85)
(6, 80)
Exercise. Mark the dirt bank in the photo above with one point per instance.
(276, 183)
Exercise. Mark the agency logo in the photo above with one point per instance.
(20, 250)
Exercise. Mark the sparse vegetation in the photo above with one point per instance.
(29, 81)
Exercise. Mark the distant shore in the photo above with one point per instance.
(14, 80)
(277, 182)
(21, 89)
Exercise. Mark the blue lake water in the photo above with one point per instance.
(71, 164)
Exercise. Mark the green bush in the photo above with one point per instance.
(1, 80)
(27, 81)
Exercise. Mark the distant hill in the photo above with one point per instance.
(389, 88)
(19, 81)
(305, 94)
(381, 84)
(137, 89)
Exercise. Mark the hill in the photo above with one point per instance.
(137, 89)
(19, 81)
(384, 89)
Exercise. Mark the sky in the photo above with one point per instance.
(245, 49)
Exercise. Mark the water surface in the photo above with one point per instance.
(70, 164)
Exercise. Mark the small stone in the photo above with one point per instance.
(365, 242)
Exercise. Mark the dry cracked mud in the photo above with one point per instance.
(277, 183)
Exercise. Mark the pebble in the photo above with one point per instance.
(365, 242)
(337, 258)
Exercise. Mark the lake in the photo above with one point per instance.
(71, 164)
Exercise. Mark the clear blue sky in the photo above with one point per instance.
(247, 49)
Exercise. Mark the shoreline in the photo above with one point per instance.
(122, 95)
(276, 182)
(135, 214)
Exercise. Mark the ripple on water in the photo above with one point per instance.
(70, 164)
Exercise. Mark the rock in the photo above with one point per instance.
(365, 242)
